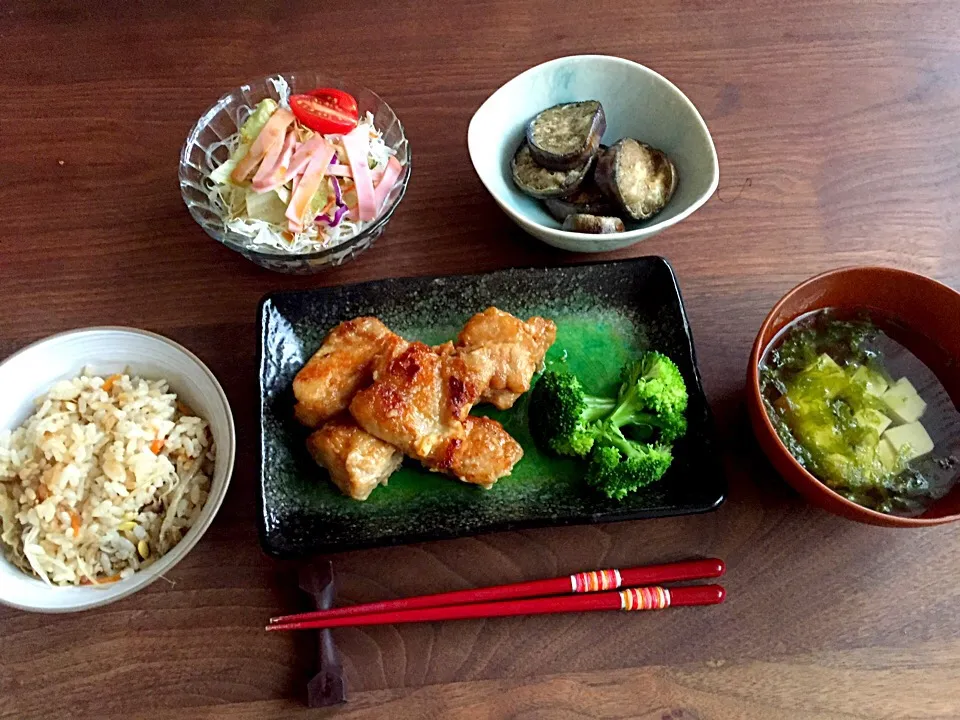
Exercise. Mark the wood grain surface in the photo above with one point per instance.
(837, 129)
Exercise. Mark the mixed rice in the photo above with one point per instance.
(102, 480)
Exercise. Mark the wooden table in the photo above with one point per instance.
(837, 128)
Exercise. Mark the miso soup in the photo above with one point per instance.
(861, 411)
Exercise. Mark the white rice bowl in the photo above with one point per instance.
(102, 474)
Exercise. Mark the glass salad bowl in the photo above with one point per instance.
(204, 150)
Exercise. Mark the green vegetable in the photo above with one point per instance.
(837, 422)
(624, 465)
(258, 118)
(221, 174)
(846, 340)
(321, 198)
(248, 133)
(653, 397)
(649, 407)
(266, 206)
(562, 415)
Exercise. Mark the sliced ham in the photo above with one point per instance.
(274, 130)
(389, 179)
(309, 183)
(273, 170)
(357, 144)
(303, 154)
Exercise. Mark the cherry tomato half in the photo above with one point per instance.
(326, 110)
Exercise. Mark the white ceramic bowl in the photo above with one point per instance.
(30, 372)
(638, 103)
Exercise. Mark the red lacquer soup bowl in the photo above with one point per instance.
(927, 308)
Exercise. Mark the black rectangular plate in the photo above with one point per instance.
(604, 312)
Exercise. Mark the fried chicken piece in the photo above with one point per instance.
(392, 347)
(477, 368)
(486, 453)
(343, 364)
(418, 402)
(413, 399)
(356, 460)
(508, 348)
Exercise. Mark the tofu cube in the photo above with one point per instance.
(825, 362)
(887, 455)
(873, 419)
(874, 383)
(829, 378)
(910, 441)
(903, 402)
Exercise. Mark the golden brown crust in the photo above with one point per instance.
(343, 364)
(357, 461)
(485, 455)
(512, 351)
(418, 401)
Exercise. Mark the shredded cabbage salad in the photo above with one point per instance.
(287, 188)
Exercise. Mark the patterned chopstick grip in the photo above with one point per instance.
(645, 598)
(595, 581)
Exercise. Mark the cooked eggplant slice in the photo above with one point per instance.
(581, 222)
(566, 136)
(640, 179)
(587, 199)
(539, 182)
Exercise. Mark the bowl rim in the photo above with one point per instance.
(638, 233)
(97, 596)
(374, 227)
(755, 398)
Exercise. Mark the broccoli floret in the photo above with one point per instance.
(618, 469)
(628, 437)
(653, 398)
(563, 417)
(651, 402)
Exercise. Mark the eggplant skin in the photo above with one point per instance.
(565, 136)
(639, 178)
(539, 182)
(588, 199)
(597, 225)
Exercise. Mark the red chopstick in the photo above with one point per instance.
(578, 583)
(644, 598)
